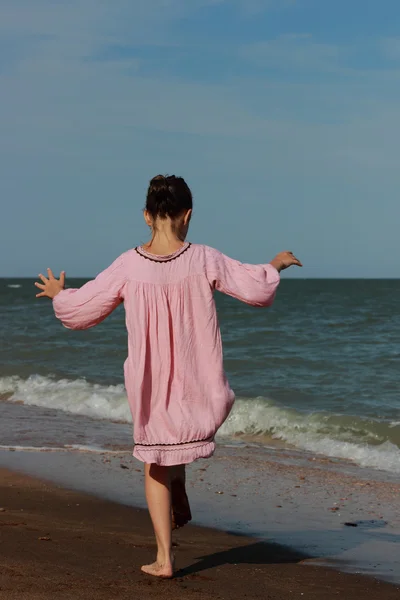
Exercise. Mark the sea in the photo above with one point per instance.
(316, 373)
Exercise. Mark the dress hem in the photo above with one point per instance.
(173, 455)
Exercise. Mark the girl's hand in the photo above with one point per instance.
(283, 260)
(50, 286)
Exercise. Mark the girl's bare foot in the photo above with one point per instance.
(163, 569)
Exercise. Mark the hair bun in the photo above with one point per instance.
(168, 196)
(159, 181)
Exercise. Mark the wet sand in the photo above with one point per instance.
(60, 544)
(267, 495)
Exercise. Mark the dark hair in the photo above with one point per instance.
(168, 196)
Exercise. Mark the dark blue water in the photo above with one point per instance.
(318, 370)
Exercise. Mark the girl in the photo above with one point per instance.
(177, 389)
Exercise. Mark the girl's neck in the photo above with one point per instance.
(164, 243)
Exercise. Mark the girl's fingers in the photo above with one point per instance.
(50, 273)
(294, 258)
(62, 278)
(40, 286)
(41, 295)
(43, 278)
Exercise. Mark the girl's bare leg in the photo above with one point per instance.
(180, 504)
(158, 496)
(178, 472)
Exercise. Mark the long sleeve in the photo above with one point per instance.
(253, 284)
(93, 302)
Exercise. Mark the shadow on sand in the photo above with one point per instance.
(259, 553)
(335, 542)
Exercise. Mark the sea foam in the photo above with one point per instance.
(367, 442)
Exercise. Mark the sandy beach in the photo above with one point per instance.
(60, 544)
(333, 512)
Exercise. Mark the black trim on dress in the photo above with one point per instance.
(177, 444)
(160, 259)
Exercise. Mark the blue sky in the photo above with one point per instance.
(283, 116)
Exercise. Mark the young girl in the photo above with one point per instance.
(177, 389)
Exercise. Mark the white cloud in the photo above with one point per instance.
(56, 98)
(65, 115)
(56, 83)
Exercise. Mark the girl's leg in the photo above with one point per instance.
(158, 496)
(178, 472)
(180, 504)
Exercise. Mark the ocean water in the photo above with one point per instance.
(318, 372)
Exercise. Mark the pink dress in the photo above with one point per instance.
(174, 376)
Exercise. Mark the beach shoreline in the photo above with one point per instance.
(339, 520)
(58, 543)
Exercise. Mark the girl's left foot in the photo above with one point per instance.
(158, 569)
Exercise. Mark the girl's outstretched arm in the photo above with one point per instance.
(93, 302)
(253, 284)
